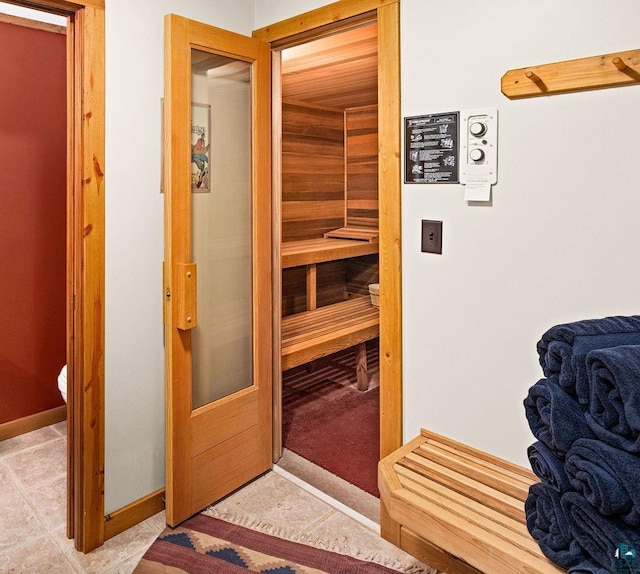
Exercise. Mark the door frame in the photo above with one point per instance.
(85, 265)
(314, 24)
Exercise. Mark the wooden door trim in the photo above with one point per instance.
(176, 32)
(316, 23)
(390, 222)
(88, 281)
(85, 265)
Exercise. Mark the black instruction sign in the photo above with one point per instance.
(431, 148)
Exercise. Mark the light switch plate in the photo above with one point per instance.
(432, 236)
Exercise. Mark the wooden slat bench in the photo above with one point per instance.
(318, 250)
(459, 509)
(323, 331)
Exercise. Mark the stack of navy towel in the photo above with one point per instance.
(585, 415)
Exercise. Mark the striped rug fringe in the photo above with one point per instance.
(390, 557)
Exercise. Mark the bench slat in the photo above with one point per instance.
(421, 485)
(313, 329)
(319, 250)
(478, 454)
(476, 544)
(498, 524)
(320, 332)
(327, 333)
(524, 478)
(491, 477)
(356, 310)
(453, 480)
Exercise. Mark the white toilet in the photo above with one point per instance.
(62, 383)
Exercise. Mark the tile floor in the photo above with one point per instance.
(33, 494)
(274, 504)
(32, 520)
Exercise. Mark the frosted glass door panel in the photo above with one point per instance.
(221, 183)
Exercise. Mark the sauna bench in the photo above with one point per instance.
(310, 252)
(458, 509)
(322, 249)
(323, 331)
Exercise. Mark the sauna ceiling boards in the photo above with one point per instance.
(338, 71)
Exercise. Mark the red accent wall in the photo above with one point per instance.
(32, 219)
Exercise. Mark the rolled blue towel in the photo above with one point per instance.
(600, 536)
(547, 466)
(555, 418)
(587, 567)
(609, 478)
(614, 407)
(562, 350)
(548, 526)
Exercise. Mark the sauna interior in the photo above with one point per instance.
(329, 198)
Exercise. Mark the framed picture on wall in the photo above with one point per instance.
(200, 147)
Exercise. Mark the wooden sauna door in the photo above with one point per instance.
(217, 272)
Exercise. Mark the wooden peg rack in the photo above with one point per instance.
(595, 72)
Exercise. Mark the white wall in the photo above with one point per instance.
(271, 11)
(559, 241)
(134, 353)
(557, 244)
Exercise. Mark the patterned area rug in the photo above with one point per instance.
(204, 544)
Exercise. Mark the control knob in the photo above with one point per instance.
(476, 154)
(478, 129)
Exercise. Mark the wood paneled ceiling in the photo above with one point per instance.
(338, 71)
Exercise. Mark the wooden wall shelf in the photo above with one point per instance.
(605, 71)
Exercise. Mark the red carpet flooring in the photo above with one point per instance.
(329, 422)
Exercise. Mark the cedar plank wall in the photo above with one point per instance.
(362, 166)
(312, 171)
(360, 272)
(331, 286)
(33, 136)
(312, 195)
(320, 173)
(317, 167)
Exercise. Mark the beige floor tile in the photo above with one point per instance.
(268, 504)
(60, 428)
(33, 502)
(272, 500)
(40, 555)
(339, 489)
(39, 465)
(28, 440)
(360, 542)
(49, 502)
(129, 565)
(157, 523)
(113, 554)
(18, 523)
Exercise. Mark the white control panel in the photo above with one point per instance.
(479, 145)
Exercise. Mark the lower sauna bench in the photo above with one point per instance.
(313, 334)
(458, 509)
